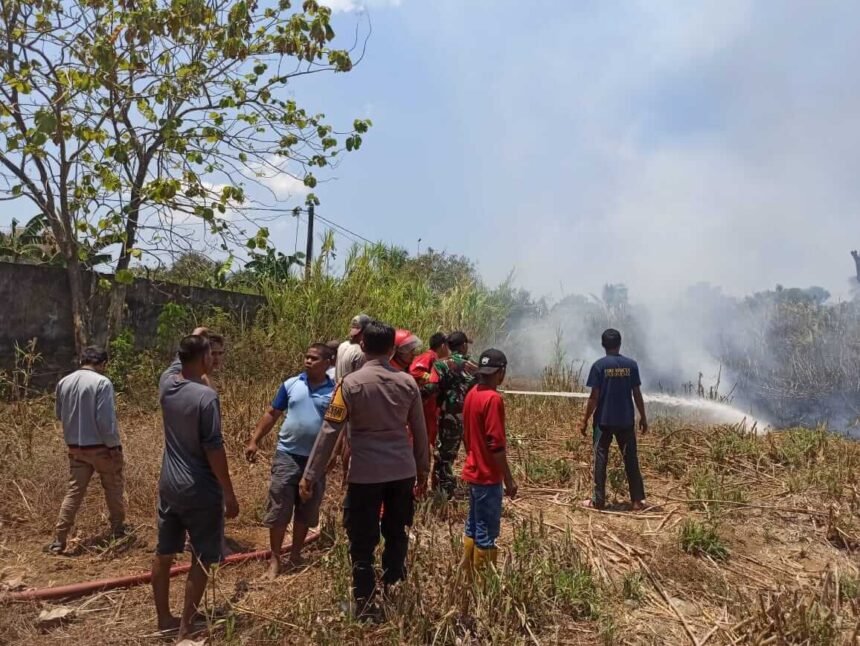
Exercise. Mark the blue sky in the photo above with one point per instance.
(583, 142)
(577, 143)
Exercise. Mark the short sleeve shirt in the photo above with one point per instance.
(192, 425)
(305, 408)
(616, 376)
(483, 435)
(350, 357)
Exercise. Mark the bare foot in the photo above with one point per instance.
(274, 569)
(639, 505)
(169, 623)
(589, 504)
(186, 632)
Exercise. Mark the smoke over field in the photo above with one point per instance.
(789, 356)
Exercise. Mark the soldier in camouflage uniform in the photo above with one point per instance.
(455, 379)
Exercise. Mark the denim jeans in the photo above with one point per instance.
(625, 436)
(485, 514)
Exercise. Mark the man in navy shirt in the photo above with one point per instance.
(305, 399)
(614, 382)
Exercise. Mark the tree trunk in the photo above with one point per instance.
(116, 310)
(856, 257)
(80, 306)
(116, 307)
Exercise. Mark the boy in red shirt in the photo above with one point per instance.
(486, 467)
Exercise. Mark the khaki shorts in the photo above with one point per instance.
(284, 500)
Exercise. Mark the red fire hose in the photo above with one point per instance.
(75, 590)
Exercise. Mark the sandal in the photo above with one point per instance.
(55, 548)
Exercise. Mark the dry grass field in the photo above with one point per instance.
(748, 540)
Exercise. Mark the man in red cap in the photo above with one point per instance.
(406, 347)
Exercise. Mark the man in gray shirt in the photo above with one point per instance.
(195, 487)
(85, 405)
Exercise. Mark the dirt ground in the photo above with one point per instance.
(784, 511)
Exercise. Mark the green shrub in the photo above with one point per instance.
(123, 359)
(798, 447)
(174, 322)
(701, 539)
(706, 484)
(632, 586)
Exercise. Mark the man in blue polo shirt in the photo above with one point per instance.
(305, 398)
(614, 382)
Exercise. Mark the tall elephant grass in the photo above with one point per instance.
(382, 283)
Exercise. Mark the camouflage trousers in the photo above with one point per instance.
(448, 441)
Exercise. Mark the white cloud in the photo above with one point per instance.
(346, 6)
(278, 178)
(285, 186)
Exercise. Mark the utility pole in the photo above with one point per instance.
(856, 257)
(309, 252)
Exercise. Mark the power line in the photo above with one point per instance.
(297, 210)
(344, 229)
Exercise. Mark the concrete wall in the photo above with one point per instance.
(35, 303)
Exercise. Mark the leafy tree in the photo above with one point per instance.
(191, 268)
(35, 243)
(122, 119)
(30, 243)
(272, 265)
(445, 270)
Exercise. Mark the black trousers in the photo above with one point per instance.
(361, 517)
(626, 438)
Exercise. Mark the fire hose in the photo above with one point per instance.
(76, 590)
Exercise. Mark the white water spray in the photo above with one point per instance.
(716, 412)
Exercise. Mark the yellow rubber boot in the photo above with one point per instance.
(468, 550)
(466, 567)
(484, 557)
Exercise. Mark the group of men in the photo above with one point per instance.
(382, 412)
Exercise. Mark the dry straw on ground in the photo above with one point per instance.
(749, 540)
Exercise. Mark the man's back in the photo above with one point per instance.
(192, 425)
(454, 382)
(484, 434)
(350, 357)
(381, 401)
(85, 405)
(616, 376)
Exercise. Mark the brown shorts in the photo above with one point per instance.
(284, 500)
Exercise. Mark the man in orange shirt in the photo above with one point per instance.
(424, 372)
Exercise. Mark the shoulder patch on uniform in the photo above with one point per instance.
(336, 412)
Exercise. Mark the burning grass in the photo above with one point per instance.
(748, 540)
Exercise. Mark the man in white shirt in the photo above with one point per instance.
(350, 356)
